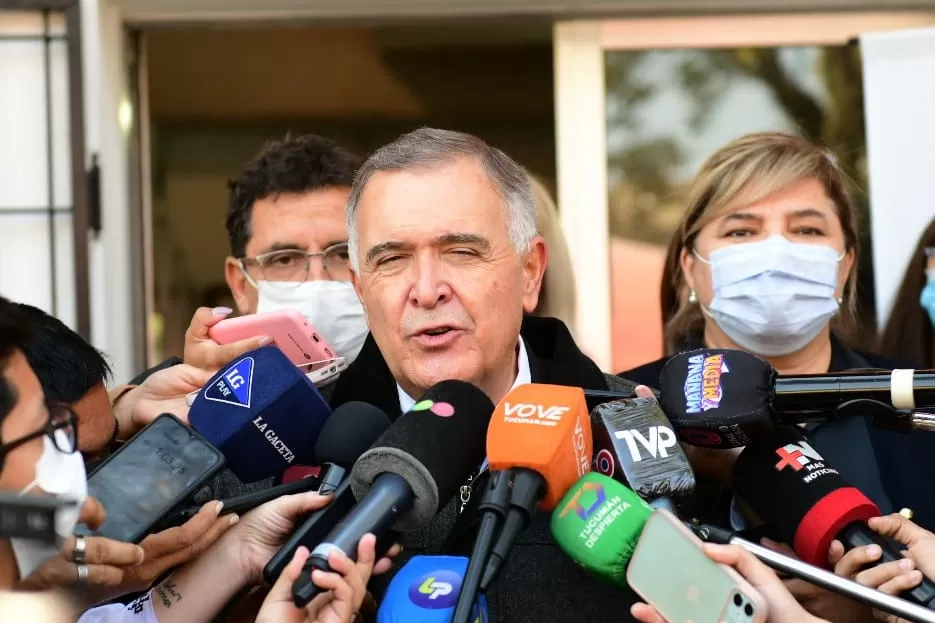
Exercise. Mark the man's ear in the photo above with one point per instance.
(535, 261)
(237, 282)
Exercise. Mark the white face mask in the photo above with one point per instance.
(331, 307)
(773, 297)
(61, 475)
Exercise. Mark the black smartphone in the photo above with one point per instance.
(147, 477)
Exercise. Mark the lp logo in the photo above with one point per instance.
(436, 590)
(660, 439)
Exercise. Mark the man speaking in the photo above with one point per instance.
(447, 263)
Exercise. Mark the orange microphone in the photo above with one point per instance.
(538, 445)
(545, 429)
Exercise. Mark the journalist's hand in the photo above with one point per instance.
(203, 352)
(780, 603)
(346, 586)
(116, 568)
(163, 392)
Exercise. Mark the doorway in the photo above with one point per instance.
(216, 95)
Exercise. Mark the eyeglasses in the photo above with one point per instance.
(62, 429)
(292, 265)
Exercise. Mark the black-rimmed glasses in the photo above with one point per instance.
(62, 429)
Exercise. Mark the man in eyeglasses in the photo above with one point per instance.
(288, 239)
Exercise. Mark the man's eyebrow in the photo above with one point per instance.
(460, 238)
(283, 246)
(334, 243)
(385, 247)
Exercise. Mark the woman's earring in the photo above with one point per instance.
(692, 297)
(840, 300)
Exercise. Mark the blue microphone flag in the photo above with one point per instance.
(262, 412)
(426, 590)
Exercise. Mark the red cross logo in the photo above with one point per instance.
(790, 459)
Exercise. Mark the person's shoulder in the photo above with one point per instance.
(646, 374)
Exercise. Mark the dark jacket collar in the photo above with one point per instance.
(554, 358)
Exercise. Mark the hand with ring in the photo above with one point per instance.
(102, 568)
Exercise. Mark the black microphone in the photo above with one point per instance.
(354, 427)
(791, 487)
(411, 471)
(636, 445)
(31, 516)
(724, 398)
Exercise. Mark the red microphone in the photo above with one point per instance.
(298, 472)
(807, 502)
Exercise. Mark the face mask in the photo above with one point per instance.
(773, 297)
(61, 475)
(331, 307)
(927, 300)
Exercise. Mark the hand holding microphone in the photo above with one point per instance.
(347, 586)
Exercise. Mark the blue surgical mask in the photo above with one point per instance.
(772, 297)
(927, 300)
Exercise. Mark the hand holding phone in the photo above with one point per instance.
(288, 329)
(672, 573)
(148, 476)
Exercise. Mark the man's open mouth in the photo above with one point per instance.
(438, 331)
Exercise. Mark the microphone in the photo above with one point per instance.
(262, 413)
(598, 524)
(791, 487)
(636, 445)
(425, 591)
(724, 398)
(31, 517)
(344, 437)
(542, 435)
(413, 468)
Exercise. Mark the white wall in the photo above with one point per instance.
(899, 96)
(25, 240)
(104, 88)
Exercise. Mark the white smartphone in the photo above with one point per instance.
(671, 573)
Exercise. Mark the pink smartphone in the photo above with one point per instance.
(670, 572)
(290, 331)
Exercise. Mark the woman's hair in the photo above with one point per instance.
(752, 168)
(557, 297)
(908, 332)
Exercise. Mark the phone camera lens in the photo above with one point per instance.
(737, 600)
(748, 610)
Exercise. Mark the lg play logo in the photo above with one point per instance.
(658, 442)
(796, 456)
(524, 413)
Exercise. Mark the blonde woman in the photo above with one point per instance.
(557, 296)
(765, 260)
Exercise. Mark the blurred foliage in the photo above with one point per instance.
(647, 199)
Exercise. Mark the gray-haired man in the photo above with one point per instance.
(448, 265)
